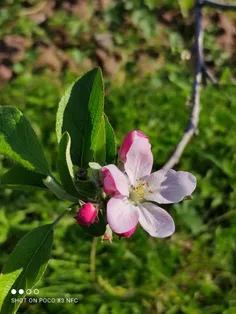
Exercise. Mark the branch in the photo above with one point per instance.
(216, 4)
(194, 117)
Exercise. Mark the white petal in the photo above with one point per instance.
(114, 181)
(155, 220)
(122, 215)
(139, 160)
(169, 186)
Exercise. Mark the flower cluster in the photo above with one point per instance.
(135, 193)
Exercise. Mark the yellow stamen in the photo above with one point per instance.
(138, 192)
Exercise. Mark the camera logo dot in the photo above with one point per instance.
(13, 291)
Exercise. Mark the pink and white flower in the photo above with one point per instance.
(135, 191)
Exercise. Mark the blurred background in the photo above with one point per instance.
(145, 49)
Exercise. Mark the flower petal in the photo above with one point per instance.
(127, 234)
(155, 220)
(139, 160)
(169, 186)
(128, 141)
(114, 181)
(122, 215)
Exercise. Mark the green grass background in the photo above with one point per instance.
(143, 47)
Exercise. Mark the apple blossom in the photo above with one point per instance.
(86, 214)
(136, 192)
(128, 141)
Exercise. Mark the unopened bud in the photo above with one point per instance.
(86, 214)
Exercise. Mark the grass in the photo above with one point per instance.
(148, 83)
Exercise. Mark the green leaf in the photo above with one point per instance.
(80, 114)
(110, 143)
(100, 144)
(21, 178)
(25, 266)
(185, 6)
(65, 166)
(19, 142)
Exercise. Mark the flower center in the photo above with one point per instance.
(138, 191)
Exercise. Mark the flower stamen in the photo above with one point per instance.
(138, 192)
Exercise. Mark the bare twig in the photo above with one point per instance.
(219, 5)
(194, 117)
(200, 69)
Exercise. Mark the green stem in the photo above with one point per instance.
(93, 259)
(55, 187)
(61, 216)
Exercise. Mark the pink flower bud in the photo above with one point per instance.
(127, 234)
(128, 141)
(86, 214)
